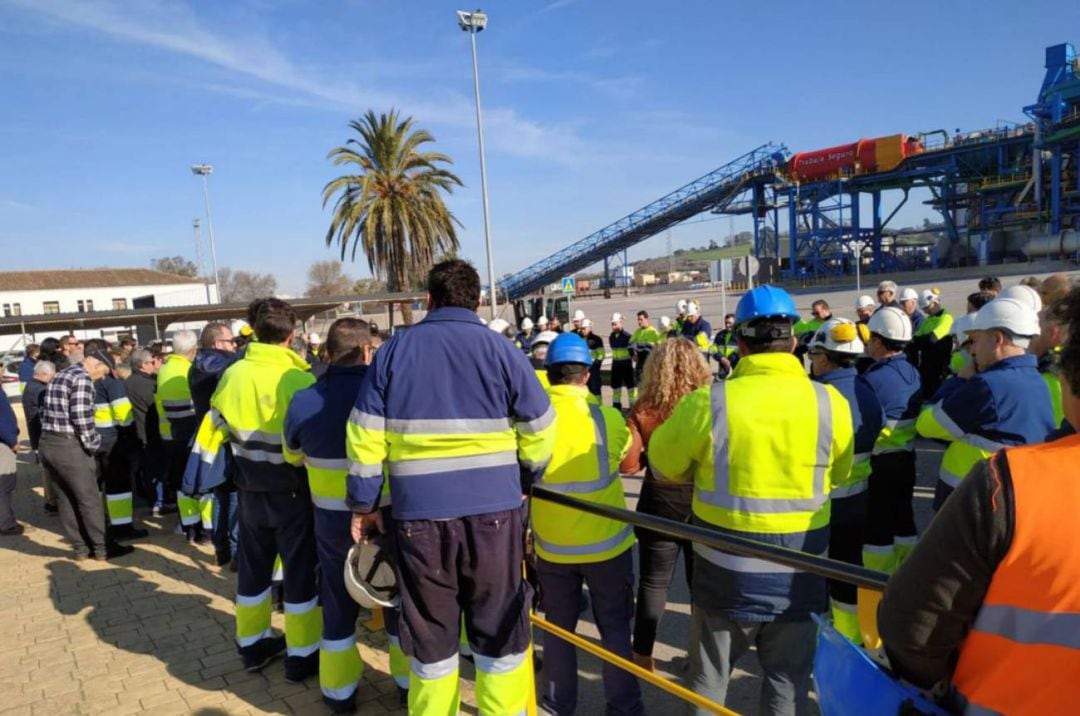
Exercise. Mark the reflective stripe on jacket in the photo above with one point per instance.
(699, 333)
(1050, 369)
(724, 344)
(247, 411)
(867, 417)
(176, 412)
(810, 326)
(314, 433)
(458, 417)
(643, 340)
(764, 450)
(620, 345)
(112, 409)
(897, 386)
(590, 442)
(1005, 405)
(1022, 655)
(937, 327)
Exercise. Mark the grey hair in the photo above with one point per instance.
(44, 367)
(140, 357)
(184, 342)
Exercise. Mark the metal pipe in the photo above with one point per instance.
(743, 546)
(656, 680)
(493, 291)
(210, 230)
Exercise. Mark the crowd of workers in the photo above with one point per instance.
(796, 433)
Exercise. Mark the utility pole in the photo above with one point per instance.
(472, 23)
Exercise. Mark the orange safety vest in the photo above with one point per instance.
(1022, 655)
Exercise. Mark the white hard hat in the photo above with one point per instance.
(1024, 294)
(542, 321)
(680, 307)
(864, 302)
(370, 578)
(665, 322)
(616, 318)
(930, 295)
(498, 325)
(892, 323)
(579, 315)
(527, 324)
(839, 335)
(543, 338)
(961, 326)
(313, 339)
(909, 294)
(1007, 314)
(586, 323)
(693, 308)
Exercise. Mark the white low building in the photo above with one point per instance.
(35, 293)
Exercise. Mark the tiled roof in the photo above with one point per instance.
(87, 278)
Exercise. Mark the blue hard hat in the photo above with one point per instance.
(568, 348)
(765, 302)
(848, 683)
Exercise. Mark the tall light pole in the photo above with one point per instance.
(204, 170)
(472, 23)
(195, 224)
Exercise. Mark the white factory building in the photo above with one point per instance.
(36, 293)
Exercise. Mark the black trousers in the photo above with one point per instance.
(596, 381)
(622, 374)
(891, 489)
(273, 523)
(847, 530)
(611, 590)
(74, 473)
(659, 555)
(471, 566)
(177, 451)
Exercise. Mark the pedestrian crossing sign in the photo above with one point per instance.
(568, 284)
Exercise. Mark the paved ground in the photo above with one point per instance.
(154, 631)
(149, 632)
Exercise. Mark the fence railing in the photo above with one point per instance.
(867, 579)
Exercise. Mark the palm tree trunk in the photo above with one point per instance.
(406, 313)
(401, 283)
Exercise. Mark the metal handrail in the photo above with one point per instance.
(841, 571)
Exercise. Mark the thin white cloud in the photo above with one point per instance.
(171, 26)
(624, 87)
(558, 5)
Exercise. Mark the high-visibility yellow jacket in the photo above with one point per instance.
(176, 412)
(764, 449)
(590, 442)
(112, 410)
(643, 340)
(247, 411)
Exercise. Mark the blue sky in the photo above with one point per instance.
(592, 109)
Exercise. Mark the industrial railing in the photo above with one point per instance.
(861, 577)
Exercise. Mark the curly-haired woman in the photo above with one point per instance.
(674, 369)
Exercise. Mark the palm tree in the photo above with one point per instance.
(393, 206)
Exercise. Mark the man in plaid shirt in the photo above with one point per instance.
(67, 446)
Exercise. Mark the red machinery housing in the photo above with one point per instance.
(865, 156)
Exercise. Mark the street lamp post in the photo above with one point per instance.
(204, 170)
(472, 23)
